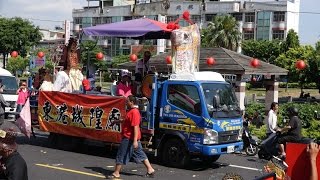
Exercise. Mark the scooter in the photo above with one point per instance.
(269, 147)
(250, 146)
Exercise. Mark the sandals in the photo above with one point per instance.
(112, 176)
(149, 175)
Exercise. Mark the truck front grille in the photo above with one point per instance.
(228, 136)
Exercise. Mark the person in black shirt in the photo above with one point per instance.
(293, 130)
(12, 165)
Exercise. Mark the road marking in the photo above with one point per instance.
(244, 167)
(71, 170)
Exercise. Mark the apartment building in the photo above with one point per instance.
(259, 20)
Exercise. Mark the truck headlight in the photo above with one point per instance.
(240, 134)
(210, 136)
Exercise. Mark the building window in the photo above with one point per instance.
(196, 18)
(278, 16)
(247, 35)
(127, 18)
(210, 17)
(185, 97)
(96, 21)
(237, 16)
(278, 34)
(116, 19)
(249, 17)
(263, 25)
(77, 20)
(106, 20)
(172, 18)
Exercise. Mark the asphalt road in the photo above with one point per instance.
(96, 162)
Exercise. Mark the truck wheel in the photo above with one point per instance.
(175, 154)
(208, 160)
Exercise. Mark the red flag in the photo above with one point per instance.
(24, 121)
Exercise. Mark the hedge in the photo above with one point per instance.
(297, 85)
(311, 125)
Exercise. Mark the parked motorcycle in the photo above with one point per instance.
(250, 146)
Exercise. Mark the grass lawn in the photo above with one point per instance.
(294, 92)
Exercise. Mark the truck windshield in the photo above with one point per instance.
(227, 103)
(10, 85)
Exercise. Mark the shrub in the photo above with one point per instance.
(297, 85)
(310, 124)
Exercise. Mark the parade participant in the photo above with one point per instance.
(130, 146)
(2, 106)
(13, 166)
(72, 58)
(142, 66)
(124, 87)
(272, 119)
(293, 130)
(47, 84)
(23, 95)
(63, 82)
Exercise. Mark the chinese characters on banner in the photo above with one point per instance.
(185, 49)
(80, 115)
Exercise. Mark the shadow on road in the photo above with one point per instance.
(107, 173)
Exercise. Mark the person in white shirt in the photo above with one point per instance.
(47, 84)
(63, 82)
(142, 66)
(272, 119)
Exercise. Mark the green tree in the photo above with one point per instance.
(264, 50)
(92, 48)
(17, 34)
(223, 31)
(292, 41)
(288, 60)
(17, 64)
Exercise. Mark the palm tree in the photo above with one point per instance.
(223, 31)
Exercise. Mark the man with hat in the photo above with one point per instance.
(124, 87)
(13, 166)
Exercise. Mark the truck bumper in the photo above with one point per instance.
(210, 150)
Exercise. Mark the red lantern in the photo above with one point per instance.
(40, 54)
(133, 57)
(300, 64)
(211, 61)
(14, 54)
(99, 55)
(255, 63)
(168, 59)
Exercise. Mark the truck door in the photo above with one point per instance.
(182, 109)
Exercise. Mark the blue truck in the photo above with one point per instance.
(184, 116)
(192, 115)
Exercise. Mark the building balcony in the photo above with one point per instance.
(106, 11)
(248, 26)
(222, 7)
(279, 25)
(176, 8)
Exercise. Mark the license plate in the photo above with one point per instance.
(230, 149)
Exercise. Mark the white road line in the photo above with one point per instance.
(244, 167)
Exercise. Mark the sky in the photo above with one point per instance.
(59, 10)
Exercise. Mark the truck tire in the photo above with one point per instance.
(175, 154)
(208, 160)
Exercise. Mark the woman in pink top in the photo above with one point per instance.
(124, 87)
(23, 95)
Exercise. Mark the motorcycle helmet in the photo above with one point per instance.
(293, 111)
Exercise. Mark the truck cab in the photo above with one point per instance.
(194, 115)
(10, 87)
